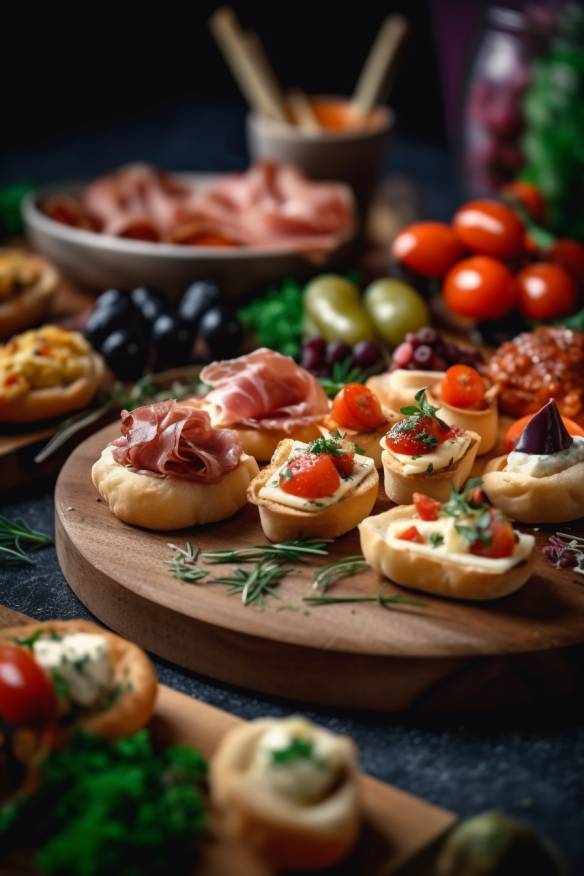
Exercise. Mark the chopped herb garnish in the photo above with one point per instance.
(298, 749)
(253, 585)
(436, 539)
(183, 564)
(430, 468)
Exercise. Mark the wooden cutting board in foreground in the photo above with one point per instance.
(398, 827)
(446, 654)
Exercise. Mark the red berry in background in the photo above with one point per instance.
(570, 255)
(546, 291)
(429, 249)
(480, 288)
(489, 228)
(529, 196)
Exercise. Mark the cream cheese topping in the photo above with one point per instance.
(541, 465)
(362, 465)
(445, 455)
(81, 663)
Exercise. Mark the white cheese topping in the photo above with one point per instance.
(445, 455)
(298, 761)
(362, 465)
(540, 465)
(453, 545)
(80, 661)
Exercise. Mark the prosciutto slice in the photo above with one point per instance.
(172, 439)
(265, 390)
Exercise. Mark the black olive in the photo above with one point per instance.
(151, 309)
(103, 321)
(222, 331)
(113, 298)
(126, 354)
(197, 300)
(173, 342)
(148, 293)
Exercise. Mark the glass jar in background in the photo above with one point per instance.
(493, 119)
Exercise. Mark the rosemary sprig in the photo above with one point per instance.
(385, 601)
(342, 373)
(183, 564)
(254, 585)
(291, 551)
(343, 568)
(15, 538)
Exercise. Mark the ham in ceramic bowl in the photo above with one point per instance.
(140, 225)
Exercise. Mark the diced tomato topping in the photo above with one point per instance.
(502, 538)
(427, 508)
(356, 407)
(344, 463)
(411, 534)
(416, 436)
(311, 476)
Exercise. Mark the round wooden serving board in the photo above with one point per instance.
(445, 655)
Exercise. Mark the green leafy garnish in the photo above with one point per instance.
(422, 408)
(342, 373)
(298, 749)
(436, 539)
(277, 318)
(16, 538)
(183, 564)
(255, 584)
(103, 808)
(343, 568)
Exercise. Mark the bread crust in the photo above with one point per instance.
(131, 667)
(55, 401)
(288, 835)
(368, 442)
(400, 487)
(29, 306)
(396, 389)
(484, 422)
(557, 498)
(281, 523)
(434, 574)
(166, 503)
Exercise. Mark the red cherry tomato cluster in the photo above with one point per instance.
(494, 258)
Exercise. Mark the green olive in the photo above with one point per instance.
(396, 309)
(333, 305)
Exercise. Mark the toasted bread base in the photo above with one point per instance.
(485, 422)
(437, 575)
(132, 670)
(557, 498)
(55, 401)
(288, 835)
(164, 503)
(29, 306)
(400, 487)
(281, 523)
(368, 442)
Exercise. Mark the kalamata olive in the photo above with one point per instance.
(313, 353)
(105, 320)
(113, 298)
(337, 351)
(141, 294)
(173, 342)
(197, 300)
(366, 354)
(222, 331)
(126, 354)
(152, 308)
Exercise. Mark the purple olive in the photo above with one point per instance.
(313, 354)
(337, 351)
(366, 354)
(427, 335)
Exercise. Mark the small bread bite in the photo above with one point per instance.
(422, 453)
(463, 548)
(265, 397)
(466, 401)
(93, 679)
(27, 284)
(46, 373)
(289, 788)
(542, 479)
(319, 489)
(171, 469)
(358, 415)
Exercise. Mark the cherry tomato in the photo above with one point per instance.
(310, 475)
(480, 288)
(514, 431)
(463, 387)
(356, 407)
(411, 534)
(546, 291)
(489, 228)
(427, 508)
(27, 698)
(529, 196)
(570, 255)
(416, 436)
(344, 462)
(502, 538)
(427, 248)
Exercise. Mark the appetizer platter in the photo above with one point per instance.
(363, 824)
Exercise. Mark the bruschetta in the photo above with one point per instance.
(357, 414)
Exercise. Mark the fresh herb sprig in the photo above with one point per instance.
(422, 408)
(381, 598)
(343, 568)
(342, 373)
(255, 584)
(183, 564)
(16, 538)
(296, 551)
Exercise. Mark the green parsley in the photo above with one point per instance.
(422, 408)
(436, 539)
(298, 749)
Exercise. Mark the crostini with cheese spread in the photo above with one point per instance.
(463, 548)
(27, 285)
